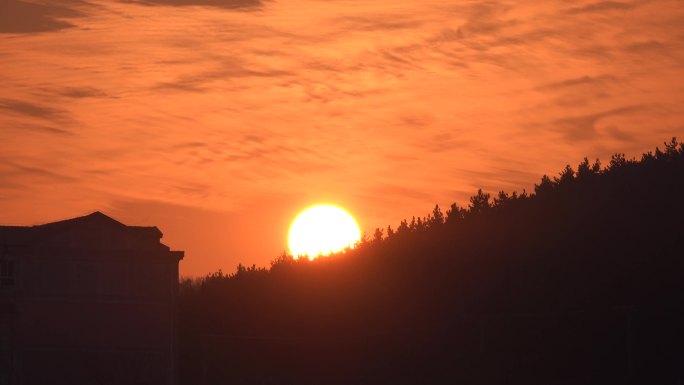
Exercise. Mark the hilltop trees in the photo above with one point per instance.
(578, 282)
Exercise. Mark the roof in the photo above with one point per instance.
(95, 230)
(98, 216)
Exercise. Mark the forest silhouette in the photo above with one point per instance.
(578, 282)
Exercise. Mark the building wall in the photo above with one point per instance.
(96, 319)
(6, 348)
(92, 304)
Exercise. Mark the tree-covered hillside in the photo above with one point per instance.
(580, 282)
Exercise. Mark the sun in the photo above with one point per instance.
(321, 230)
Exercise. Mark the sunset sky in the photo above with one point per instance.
(219, 120)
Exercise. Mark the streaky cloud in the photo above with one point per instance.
(43, 129)
(83, 92)
(31, 109)
(17, 16)
(602, 6)
(583, 127)
(229, 4)
(14, 170)
(581, 81)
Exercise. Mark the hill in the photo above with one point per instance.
(579, 282)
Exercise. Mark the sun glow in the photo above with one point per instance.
(321, 230)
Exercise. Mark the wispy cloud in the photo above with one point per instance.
(82, 92)
(591, 81)
(583, 127)
(602, 7)
(229, 4)
(32, 110)
(20, 173)
(38, 128)
(19, 16)
(198, 82)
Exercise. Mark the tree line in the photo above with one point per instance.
(579, 280)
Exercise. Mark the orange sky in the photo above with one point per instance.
(219, 120)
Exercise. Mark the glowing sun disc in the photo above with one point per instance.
(321, 230)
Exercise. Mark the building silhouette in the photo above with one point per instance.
(87, 300)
